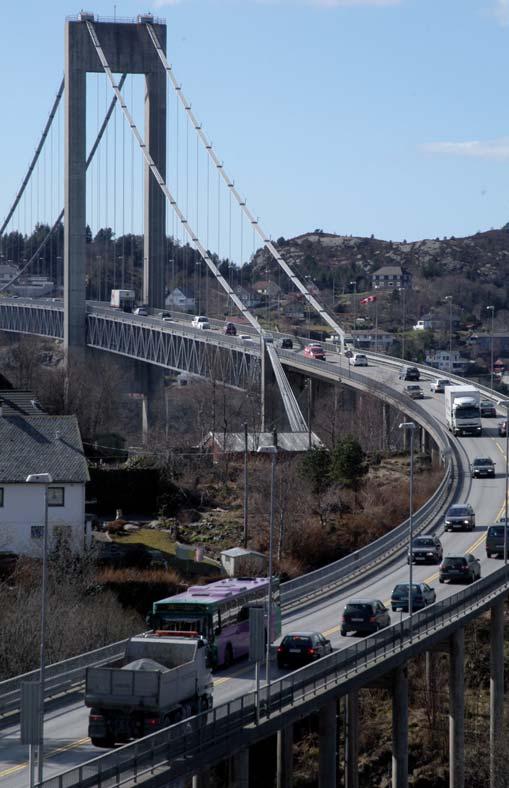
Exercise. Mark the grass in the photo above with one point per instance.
(155, 539)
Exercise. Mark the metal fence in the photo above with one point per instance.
(204, 734)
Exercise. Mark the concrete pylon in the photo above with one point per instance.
(400, 728)
(352, 740)
(284, 775)
(327, 731)
(239, 770)
(457, 709)
(496, 689)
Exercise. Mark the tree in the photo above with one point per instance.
(348, 462)
(315, 467)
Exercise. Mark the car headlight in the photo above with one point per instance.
(429, 553)
(466, 522)
(447, 522)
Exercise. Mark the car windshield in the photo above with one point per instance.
(454, 563)
(296, 641)
(444, 382)
(482, 461)
(358, 607)
(458, 511)
(487, 403)
(496, 530)
(467, 412)
(424, 541)
(404, 587)
(415, 387)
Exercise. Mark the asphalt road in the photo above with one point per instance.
(66, 739)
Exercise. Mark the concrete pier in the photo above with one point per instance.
(285, 757)
(352, 740)
(400, 728)
(496, 689)
(327, 730)
(457, 709)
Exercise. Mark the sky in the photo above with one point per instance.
(383, 117)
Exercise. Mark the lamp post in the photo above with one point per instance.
(272, 450)
(449, 299)
(492, 310)
(409, 427)
(44, 479)
(403, 291)
(505, 404)
(354, 285)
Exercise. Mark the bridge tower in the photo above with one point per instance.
(129, 50)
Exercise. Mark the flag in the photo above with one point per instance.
(367, 300)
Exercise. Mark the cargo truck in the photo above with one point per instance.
(462, 410)
(163, 678)
(123, 300)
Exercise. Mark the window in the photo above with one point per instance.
(36, 531)
(1, 496)
(55, 496)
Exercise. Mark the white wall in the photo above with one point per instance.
(23, 507)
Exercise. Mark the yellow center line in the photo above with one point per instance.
(20, 766)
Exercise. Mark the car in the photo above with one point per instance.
(358, 360)
(482, 467)
(141, 311)
(495, 536)
(409, 373)
(230, 330)
(422, 595)
(364, 616)
(502, 428)
(314, 351)
(246, 338)
(164, 314)
(168, 320)
(438, 385)
(414, 391)
(200, 321)
(488, 410)
(461, 517)
(502, 519)
(268, 338)
(425, 548)
(286, 343)
(301, 648)
(462, 568)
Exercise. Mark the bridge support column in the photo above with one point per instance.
(352, 740)
(400, 728)
(327, 731)
(496, 689)
(457, 709)
(201, 780)
(386, 426)
(285, 757)
(239, 770)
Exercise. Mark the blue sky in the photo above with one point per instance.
(388, 117)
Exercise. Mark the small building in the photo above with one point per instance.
(248, 297)
(391, 277)
(181, 298)
(425, 324)
(481, 343)
(267, 288)
(220, 443)
(369, 339)
(446, 361)
(33, 442)
(240, 562)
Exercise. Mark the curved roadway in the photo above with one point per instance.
(66, 727)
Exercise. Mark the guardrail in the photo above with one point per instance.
(235, 721)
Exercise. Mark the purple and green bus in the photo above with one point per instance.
(220, 613)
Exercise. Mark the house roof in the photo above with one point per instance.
(16, 402)
(238, 552)
(388, 270)
(186, 292)
(41, 444)
(287, 441)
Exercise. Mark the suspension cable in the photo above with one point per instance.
(35, 158)
(231, 186)
(61, 214)
(163, 186)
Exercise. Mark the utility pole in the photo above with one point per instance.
(244, 539)
(492, 310)
(310, 402)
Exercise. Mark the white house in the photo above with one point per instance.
(181, 299)
(31, 444)
(446, 361)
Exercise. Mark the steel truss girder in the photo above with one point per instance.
(32, 319)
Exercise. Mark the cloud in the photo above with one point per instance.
(490, 149)
(501, 12)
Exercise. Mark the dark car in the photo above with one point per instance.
(481, 467)
(164, 313)
(495, 540)
(460, 568)
(488, 409)
(301, 648)
(286, 343)
(8, 562)
(409, 373)
(230, 329)
(502, 428)
(422, 595)
(460, 517)
(364, 616)
(425, 548)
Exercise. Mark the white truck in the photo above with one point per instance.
(462, 410)
(122, 299)
(163, 678)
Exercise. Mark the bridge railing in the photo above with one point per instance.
(204, 733)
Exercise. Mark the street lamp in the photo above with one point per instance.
(409, 427)
(354, 285)
(505, 404)
(272, 450)
(449, 299)
(44, 479)
(492, 310)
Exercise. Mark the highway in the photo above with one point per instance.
(66, 727)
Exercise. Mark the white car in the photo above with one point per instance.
(437, 386)
(246, 338)
(141, 311)
(358, 360)
(200, 321)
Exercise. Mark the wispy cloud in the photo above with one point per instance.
(501, 11)
(489, 149)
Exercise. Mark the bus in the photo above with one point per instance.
(219, 612)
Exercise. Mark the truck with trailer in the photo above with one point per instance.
(163, 678)
(123, 300)
(462, 410)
